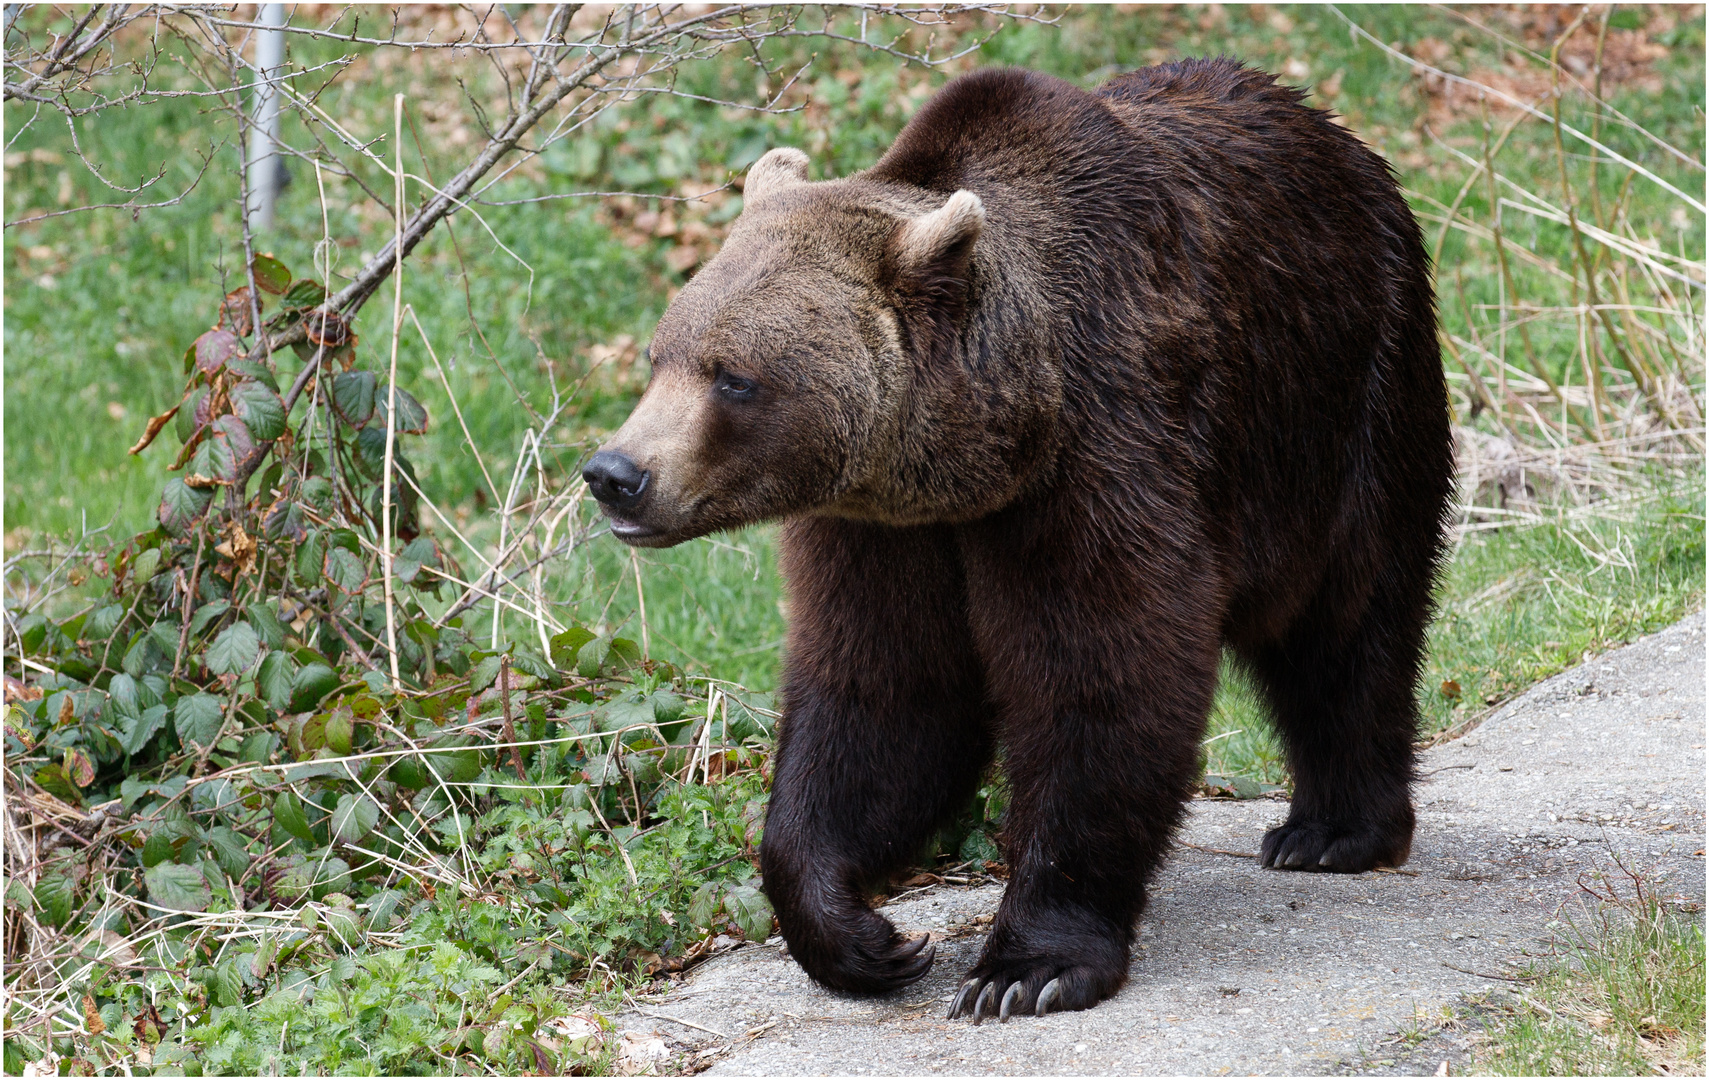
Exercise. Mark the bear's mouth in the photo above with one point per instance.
(631, 532)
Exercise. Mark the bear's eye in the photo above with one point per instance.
(734, 386)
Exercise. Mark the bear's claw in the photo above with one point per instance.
(1316, 845)
(908, 962)
(977, 999)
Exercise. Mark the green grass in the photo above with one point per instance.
(1624, 995)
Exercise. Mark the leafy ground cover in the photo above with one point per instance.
(255, 851)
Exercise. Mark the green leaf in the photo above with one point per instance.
(249, 369)
(198, 719)
(263, 957)
(457, 768)
(270, 274)
(303, 293)
(353, 397)
(592, 656)
(668, 710)
(317, 492)
(206, 614)
(311, 558)
(408, 772)
(310, 685)
(370, 452)
(340, 726)
(529, 661)
(412, 415)
(624, 654)
(381, 906)
(284, 519)
(54, 895)
(354, 818)
(309, 876)
(234, 650)
(267, 625)
(211, 464)
(485, 674)
(177, 888)
(346, 571)
(704, 904)
(567, 644)
(749, 910)
(289, 815)
(418, 553)
(979, 848)
(257, 748)
(181, 506)
(628, 710)
(225, 985)
(340, 921)
(52, 777)
(260, 409)
(230, 849)
(165, 635)
(157, 849)
(104, 620)
(214, 348)
(344, 538)
(273, 680)
(144, 565)
(122, 693)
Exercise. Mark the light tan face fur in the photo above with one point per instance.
(779, 371)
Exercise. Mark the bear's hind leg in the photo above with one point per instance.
(1342, 700)
(883, 739)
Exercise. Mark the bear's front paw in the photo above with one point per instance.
(1336, 848)
(861, 955)
(1036, 986)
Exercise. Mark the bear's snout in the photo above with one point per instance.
(615, 479)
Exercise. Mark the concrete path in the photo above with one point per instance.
(1242, 970)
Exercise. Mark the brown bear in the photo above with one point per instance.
(1066, 394)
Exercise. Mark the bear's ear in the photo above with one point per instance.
(934, 249)
(777, 170)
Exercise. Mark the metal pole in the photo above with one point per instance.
(265, 169)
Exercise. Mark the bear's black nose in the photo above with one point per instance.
(614, 479)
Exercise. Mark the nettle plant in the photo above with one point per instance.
(225, 719)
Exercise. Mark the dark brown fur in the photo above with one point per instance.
(1180, 391)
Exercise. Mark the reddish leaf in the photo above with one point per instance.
(148, 1027)
(236, 312)
(78, 767)
(270, 274)
(239, 444)
(214, 348)
(327, 328)
(153, 429)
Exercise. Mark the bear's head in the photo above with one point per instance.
(795, 373)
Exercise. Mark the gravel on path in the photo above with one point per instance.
(1243, 970)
